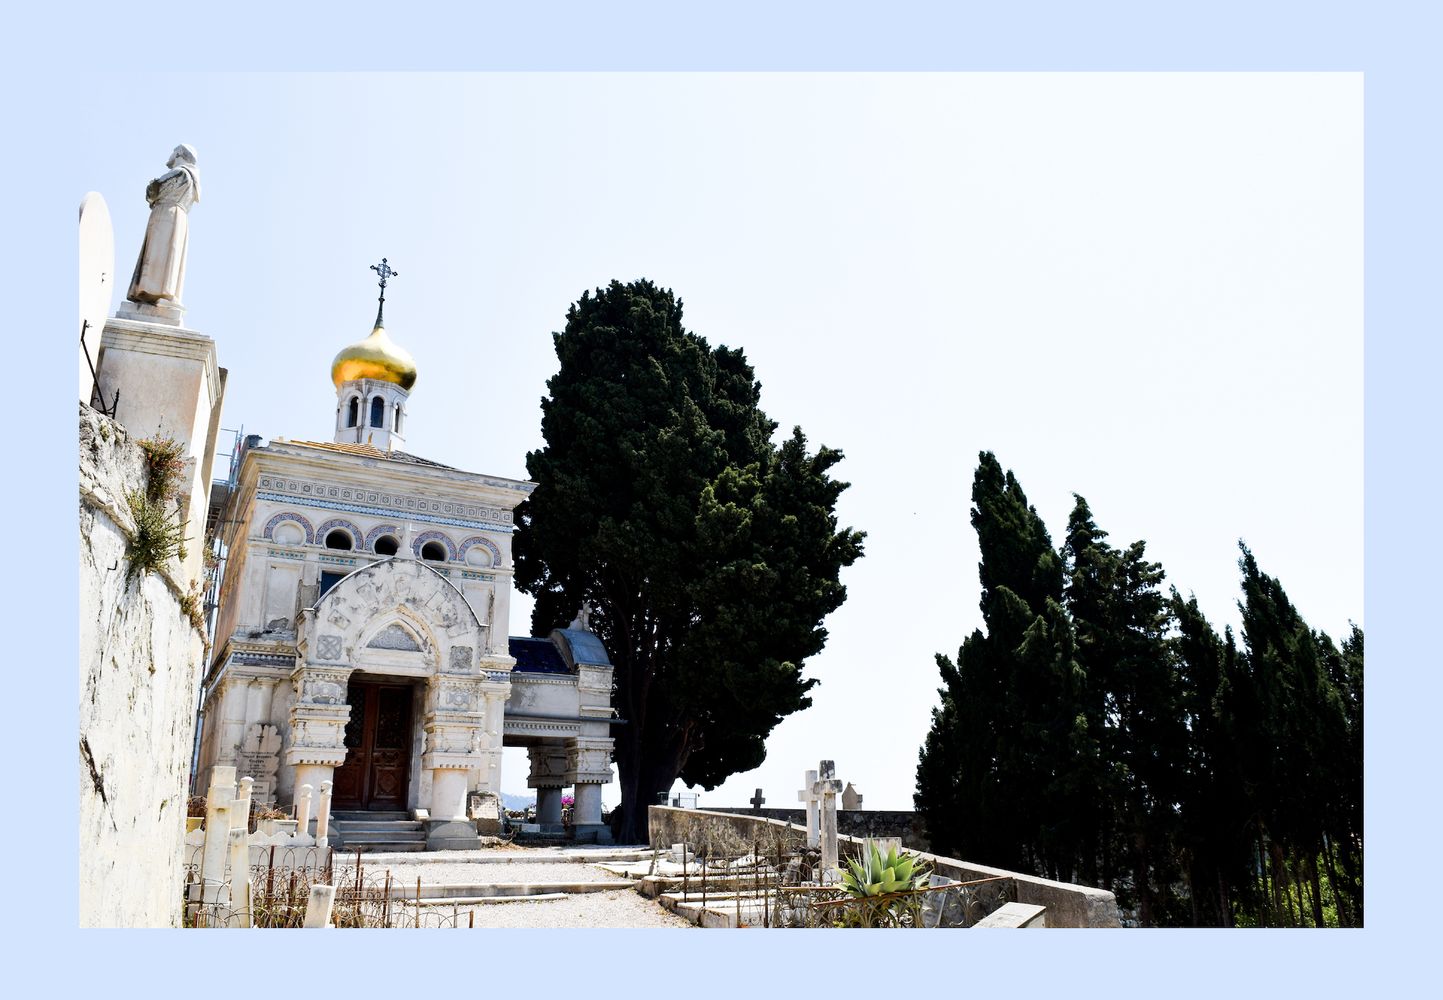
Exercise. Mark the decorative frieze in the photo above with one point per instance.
(540, 727)
(589, 760)
(322, 687)
(383, 504)
(285, 554)
(548, 767)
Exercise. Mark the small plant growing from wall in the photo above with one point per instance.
(159, 535)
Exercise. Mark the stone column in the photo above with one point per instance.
(316, 745)
(588, 767)
(548, 804)
(548, 776)
(587, 809)
(452, 725)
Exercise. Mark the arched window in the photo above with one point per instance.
(386, 545)
(378, 412)
(339, 539)
(353, 412)
(396, 423)
(433, 552)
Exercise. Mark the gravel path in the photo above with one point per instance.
(623, 907)
(619, 908)
(481, 873)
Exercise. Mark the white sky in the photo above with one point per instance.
(1146, 289)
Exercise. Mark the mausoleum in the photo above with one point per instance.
(361, 631)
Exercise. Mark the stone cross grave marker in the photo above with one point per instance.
(827, 788)
(810, 798)
(757, 800)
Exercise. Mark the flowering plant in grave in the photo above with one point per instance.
(567, 801)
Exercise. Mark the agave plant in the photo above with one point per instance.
(876, 873)
(871, 881)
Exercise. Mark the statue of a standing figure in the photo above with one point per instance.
(160, 269)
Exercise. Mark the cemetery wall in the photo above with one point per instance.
(140, 660)
(1067, 905)
(861, 823)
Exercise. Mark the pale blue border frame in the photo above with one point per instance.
(1392, 44)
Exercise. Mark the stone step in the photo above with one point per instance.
(351, 846)
(371, 833)
(349, 826)
(370, 817)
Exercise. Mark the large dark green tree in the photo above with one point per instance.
(1133, 708)
(992, 779)
(709, 554)
(1096, 728)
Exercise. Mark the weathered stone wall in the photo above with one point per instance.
(1067, 905)
(140, 664)
(860, 823)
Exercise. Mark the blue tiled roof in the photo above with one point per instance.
(537, 656)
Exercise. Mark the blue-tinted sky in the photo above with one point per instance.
(1144, 289)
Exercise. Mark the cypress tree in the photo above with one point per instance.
(1003, 713)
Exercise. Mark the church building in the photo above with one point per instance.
(362, 631)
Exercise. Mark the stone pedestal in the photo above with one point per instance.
(170, 386)
(448, 794)
(449, 828)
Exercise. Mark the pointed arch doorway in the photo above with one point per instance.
(376, 773)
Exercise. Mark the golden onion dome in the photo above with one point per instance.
(377, 357)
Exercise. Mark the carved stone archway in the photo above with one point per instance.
(399, 617)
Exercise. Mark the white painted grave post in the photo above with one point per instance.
(303, 810)
(318, 907)
(827, 788)
(222, 784)
(323, 815)
(241, 812)
(212, 857)
(240, 873)
(810, 798)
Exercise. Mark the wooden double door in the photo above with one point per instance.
(378, 748)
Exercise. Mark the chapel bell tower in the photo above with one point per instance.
(373, 379)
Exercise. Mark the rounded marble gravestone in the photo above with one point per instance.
(97, 281)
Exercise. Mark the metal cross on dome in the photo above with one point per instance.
(385, 272)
